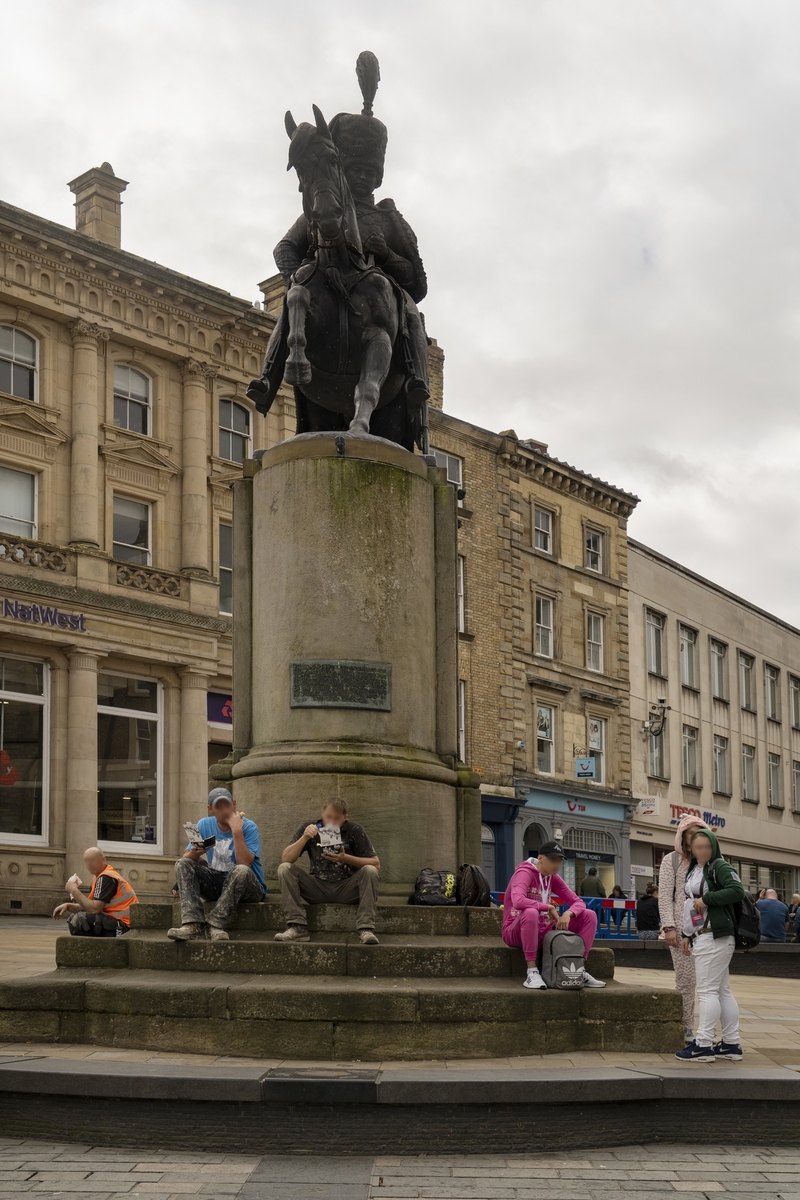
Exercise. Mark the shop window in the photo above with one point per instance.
(234, 431)
(131, 399)
(226, 569)
(592, 841)
(721, 770)
(17, 363)
(131, 530)
(595, 638)
(129, 762)
(543, 644)
(23, 750)
(17, 502)
(656, 659)
(597, 747)
(545, 739)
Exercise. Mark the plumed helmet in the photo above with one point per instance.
(361, 138)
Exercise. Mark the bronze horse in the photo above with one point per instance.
(341, 341)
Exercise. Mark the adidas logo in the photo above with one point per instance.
(572, 974)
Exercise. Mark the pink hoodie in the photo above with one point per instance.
(527, 889)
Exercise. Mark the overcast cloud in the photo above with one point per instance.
(606, 194)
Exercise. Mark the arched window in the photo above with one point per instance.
(44, 282)
(93, 301)
(596, 841)
(160, 327)
(131, 399)
(17, 363)
(69, 291)
(201, 340)
(234, 431)
(116, 308)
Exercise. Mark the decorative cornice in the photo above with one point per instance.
(86, 331)
(192, 369)
(601, 697)
(127, 462)
(551, 684)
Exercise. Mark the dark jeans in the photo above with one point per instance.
(198, 882)
(83, 924)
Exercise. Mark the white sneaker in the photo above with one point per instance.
(534, 979)
(590, 981)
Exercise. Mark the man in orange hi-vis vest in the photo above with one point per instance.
(105, 912)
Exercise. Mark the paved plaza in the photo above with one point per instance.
(51, 1169)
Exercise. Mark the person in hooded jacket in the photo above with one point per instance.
(671, 881)
(709, 924)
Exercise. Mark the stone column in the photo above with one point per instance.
(194, 746)
(84, 504)
(81, 814)
(194, 526)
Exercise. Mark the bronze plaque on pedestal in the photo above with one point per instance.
(334, 683)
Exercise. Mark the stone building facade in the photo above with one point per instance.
(730, 750)
(544, 671)
(123, 422)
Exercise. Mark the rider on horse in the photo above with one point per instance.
(385, 235)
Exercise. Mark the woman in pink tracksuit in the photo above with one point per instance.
(530, 911)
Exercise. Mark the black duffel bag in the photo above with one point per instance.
(434, 887)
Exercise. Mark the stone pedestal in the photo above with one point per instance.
(345, 651)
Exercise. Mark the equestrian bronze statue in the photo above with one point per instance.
(350, 339)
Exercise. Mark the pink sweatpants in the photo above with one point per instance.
(528, 928)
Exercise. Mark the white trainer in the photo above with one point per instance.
(534, 980)
(590, 981)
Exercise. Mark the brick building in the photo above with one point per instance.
(544, 672)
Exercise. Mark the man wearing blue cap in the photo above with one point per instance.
(231, 874)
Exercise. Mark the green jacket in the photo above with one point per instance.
(725, 888)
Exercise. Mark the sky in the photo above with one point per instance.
(606, 195)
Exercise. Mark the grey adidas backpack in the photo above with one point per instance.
(562, 960)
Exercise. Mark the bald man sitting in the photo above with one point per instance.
(106, 911)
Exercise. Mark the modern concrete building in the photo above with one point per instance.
(123, 422)
(730, 749)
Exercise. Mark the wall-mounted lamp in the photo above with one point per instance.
(655, 725)
(559, 833)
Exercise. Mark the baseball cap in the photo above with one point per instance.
(551, 850)
(219, 793)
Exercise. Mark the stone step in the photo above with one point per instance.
(326, 954)
(337, 918)
(328, 1018)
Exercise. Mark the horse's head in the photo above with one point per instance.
(327, 202)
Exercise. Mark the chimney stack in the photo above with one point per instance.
(98, 208)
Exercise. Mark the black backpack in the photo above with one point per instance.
(746, 918)
(472, 887)
(434, 887)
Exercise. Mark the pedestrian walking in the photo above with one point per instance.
(671, 881)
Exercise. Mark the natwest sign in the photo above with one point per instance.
(44, 614)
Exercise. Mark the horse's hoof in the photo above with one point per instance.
(297, 373)
(358, 427)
